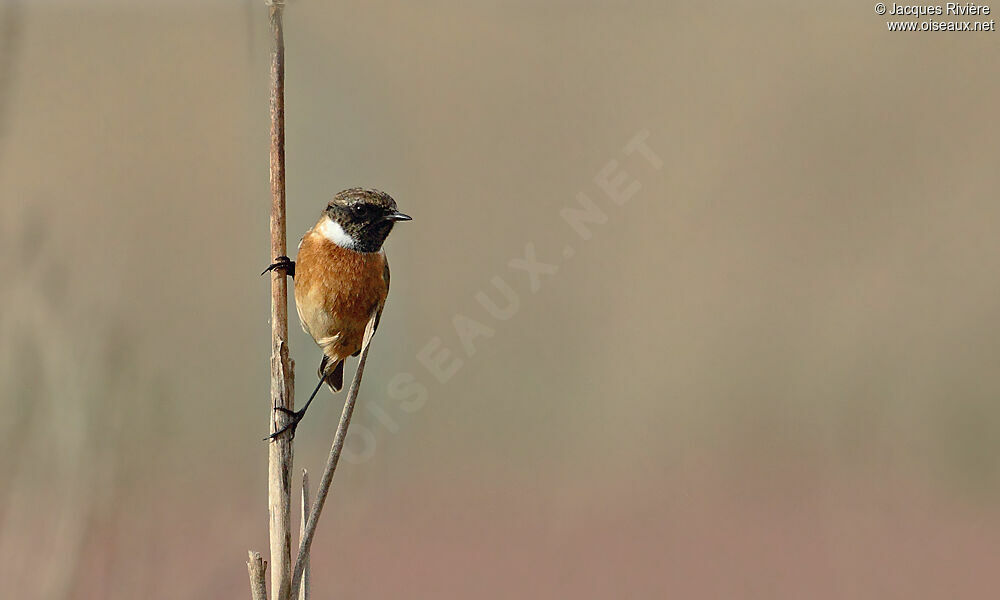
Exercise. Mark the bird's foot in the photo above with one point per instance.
(294, 416)
(282, 262)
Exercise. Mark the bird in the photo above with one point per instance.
(341, 279)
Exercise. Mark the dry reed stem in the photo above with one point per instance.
(256, 567)
(282, 384)
(304, 505)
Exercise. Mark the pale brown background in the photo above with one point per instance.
(772, 374)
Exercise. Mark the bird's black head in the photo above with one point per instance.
(360, 219)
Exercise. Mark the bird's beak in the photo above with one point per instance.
(397, 216)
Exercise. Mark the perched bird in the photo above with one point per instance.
(341, 280)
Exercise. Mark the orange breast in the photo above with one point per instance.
(336, 290)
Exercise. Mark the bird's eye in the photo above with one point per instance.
(358, 209)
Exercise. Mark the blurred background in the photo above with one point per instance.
(770, 373)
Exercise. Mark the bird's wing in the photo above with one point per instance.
(385, 276)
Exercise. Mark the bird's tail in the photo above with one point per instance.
(334, 377)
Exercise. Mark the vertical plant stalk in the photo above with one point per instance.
(282, 384)
(256, 567)
(304, 590)
(305, 543)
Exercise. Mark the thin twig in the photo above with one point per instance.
(304, 590)
(331, 463)
(282, 383)
(255, 567)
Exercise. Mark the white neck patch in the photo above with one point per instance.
(332, 231)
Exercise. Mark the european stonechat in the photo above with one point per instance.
(341, 279)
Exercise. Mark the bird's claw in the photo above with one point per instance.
(281, 262)
(293, 421)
